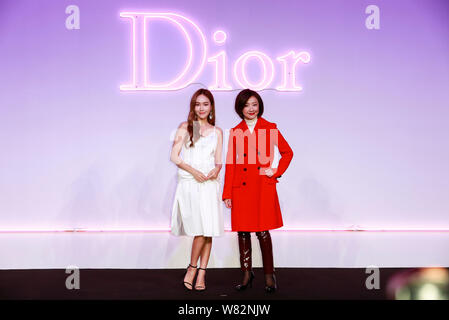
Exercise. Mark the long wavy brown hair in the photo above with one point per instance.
(193, 117)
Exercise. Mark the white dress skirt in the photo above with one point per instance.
(197, 208)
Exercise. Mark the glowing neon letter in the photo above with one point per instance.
(240, 74)
(195, 61)
(289, 62)
(220, 72)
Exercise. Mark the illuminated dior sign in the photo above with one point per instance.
(197, 58)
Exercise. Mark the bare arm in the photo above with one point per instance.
(219, 150)
(180, 137)
(218, 154)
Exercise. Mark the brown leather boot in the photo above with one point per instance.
(245, 260)
(267, 259)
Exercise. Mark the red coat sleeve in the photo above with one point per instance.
(230, 167)
(286, 155)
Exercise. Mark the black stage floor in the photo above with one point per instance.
(158, 284)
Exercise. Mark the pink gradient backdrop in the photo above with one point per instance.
(370, 130)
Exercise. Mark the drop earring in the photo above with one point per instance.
(210, 115)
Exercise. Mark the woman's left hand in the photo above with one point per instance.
(269, 172)
(213, 174)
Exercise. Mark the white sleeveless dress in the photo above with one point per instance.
(197, 208)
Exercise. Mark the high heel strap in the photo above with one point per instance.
(200, 288)
(185, 282)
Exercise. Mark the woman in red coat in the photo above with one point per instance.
(250, 183)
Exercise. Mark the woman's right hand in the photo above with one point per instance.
(228, 203)
(199, 176)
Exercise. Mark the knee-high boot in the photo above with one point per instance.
(245, 259)
(267, 259)
(245, 250)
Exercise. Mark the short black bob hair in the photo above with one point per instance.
(243, 97)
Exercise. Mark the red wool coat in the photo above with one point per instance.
(255, 203)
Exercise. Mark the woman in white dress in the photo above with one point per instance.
(197, 208)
